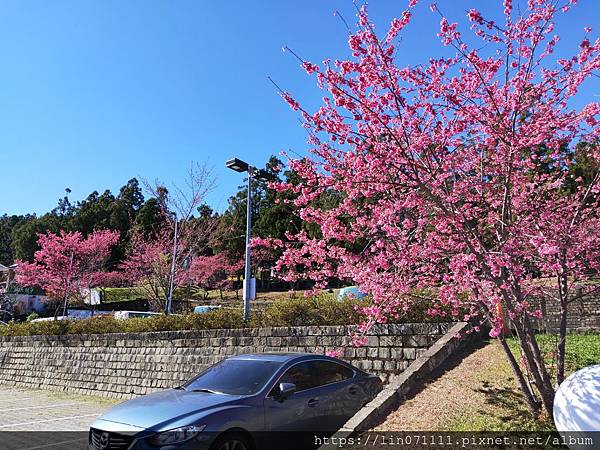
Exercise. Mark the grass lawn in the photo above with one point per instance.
(230, 298)
(478, 392)
(582, 349)
(112, 295)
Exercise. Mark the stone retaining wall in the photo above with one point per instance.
(400, 386)
(125, 365)
(583, 313)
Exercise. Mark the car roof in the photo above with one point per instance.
(278, 356)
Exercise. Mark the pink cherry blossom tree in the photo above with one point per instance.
(453, 176)
(149, 262)
(148, 265)
(215, 272)
(67, 264)
(154, 259)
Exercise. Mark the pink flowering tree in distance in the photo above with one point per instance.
(68, 264)
(149, 262)
(455, 179)
(153, 261)
(148, 265)
(215, 272)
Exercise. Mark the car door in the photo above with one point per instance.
(340, 397)
(298, 412)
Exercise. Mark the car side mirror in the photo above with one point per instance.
(285, 390)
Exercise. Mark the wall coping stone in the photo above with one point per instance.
(377, 330)
(399, 386)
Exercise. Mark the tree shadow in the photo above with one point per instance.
(509, 408)
(474, 344)
(507, 401)
(451, 362)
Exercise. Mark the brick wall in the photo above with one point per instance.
(583, 313)
(125, 365)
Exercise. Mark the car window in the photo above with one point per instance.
(330, 372)
(235, 376)
(302, 375)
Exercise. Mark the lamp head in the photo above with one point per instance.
(237, 164)
(263, 175)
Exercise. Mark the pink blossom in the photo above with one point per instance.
(310, 67)
(290, 101)
(451, 177)
(475, 16)
(68, 262)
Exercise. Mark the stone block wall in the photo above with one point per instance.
(125, 365)
(583, 313)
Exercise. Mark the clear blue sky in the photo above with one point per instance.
(93, 93)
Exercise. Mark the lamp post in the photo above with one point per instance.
(169, 304)
(249, 283)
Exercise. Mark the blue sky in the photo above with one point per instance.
(96, 92)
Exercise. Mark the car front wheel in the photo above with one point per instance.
(231, 441)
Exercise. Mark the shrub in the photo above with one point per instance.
(321, 310)
(31, 328)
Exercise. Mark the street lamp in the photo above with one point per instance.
(169, 303)
(237, 164)
(249, 283)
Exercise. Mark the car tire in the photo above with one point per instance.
(231, 441)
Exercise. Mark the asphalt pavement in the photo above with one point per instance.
(36, 419)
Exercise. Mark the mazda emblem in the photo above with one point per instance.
(104, 441)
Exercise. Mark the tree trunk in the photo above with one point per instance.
(532, 403)
(533, 357)
(535, 364)
(562, 330)
(546, 388)
(56, 311)
(561, 346)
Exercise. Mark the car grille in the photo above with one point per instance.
(103, 440)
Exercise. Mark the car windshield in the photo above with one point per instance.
(234, 377)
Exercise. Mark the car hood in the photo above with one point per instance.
(154, 411)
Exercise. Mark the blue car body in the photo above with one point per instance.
(202, 309)
(257, 412)
(350, 292)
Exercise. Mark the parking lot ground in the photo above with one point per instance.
(39, 410)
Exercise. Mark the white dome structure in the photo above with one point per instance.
(577, 408)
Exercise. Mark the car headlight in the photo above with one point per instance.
(176, 435)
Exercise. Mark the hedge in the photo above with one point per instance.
(322, 310)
